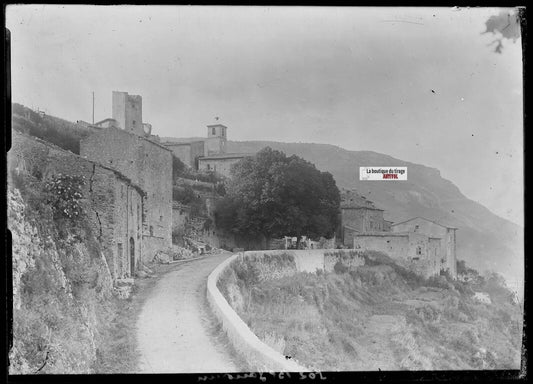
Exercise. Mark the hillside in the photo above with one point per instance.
(484, 240)
(65, 312)
(375, 317)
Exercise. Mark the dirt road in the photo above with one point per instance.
(176, 331)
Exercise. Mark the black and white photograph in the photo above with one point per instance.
(232, 191)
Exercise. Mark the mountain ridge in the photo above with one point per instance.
(485, 240)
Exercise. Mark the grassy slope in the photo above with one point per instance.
(380, 317)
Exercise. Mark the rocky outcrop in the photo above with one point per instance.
(60, 285)
(25, 240)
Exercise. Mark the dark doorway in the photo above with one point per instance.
(132, 256)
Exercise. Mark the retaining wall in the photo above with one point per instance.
(259, 355)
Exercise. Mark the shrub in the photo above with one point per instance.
(178, 168)
(56, 131)
(340, 268)
(184, 195)
(66, 195)
(220, 189)
(247, 273)
(437, 282)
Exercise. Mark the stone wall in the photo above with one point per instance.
(180, 216)
(221, 166)
(348, 235)
(214, 145)
(187, 152)
(107, 195)
(311, 260)
(148, 165)
(346, 258)
(259, 356)
(363, 219)
(415, 251)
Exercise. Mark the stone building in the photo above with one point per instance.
(446, 253)
(149, 165)
(415, 251)
(107, 123)
(220, 163)
(418, 244)
(187, 151)
(127, 112)
(208, 154)
(359, 215)
(216, 139)
(112, 202)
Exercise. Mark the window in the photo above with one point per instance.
(418, 250)
(213, 131)
(208, 167)
(160, 218)
(417, 227)
(120, 256)
(133, 122)
(151, 230)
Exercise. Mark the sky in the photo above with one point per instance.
(420, 84)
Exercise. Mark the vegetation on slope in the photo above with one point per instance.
(379, 316)
(65, 316)
(57, 131)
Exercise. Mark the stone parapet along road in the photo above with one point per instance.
(176, 331)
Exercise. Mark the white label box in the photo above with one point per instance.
(390, 173)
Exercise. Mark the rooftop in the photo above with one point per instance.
(176, 143)
(423, 218)
(353, 200)
(379, 234)
(225, 156)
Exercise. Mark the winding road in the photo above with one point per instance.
(176, 331)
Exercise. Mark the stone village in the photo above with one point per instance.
(133, 214)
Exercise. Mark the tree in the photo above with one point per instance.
(274, 195)
(178, 167)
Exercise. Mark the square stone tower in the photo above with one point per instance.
(216, 139)
(127, 111)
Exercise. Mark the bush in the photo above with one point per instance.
(340, 268)
(247, 273)
(437, 282)
(56, 131)
(183, 195)
(66, 195)
(220, 189)
(178, 168)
